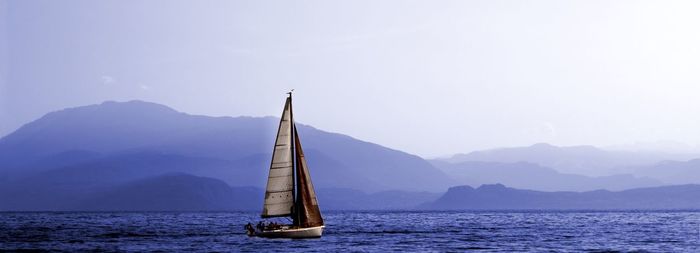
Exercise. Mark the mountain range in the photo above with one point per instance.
(673, 172)
(145, 137)
(526, 175)
(500, 197)
(582, 160)
(144, 156)
(67, 157)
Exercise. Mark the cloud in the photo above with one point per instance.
(108, 79)
(548, 129)
(145, 87)
(542, 131)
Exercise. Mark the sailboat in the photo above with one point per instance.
(289, 192)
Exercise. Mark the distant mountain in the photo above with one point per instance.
(121, 141)
(173, 192)
(583, 160)
(664, 146)
(181, 192)
(673, 172)
(499, 197)
(525, 175)
(167, 192)
(139, 156)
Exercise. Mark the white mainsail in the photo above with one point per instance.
(279, 195)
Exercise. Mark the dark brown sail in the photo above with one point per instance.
(307, 212)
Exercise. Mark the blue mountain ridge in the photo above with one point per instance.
(500, 197)
(143, 156)
(218, 147)
(526, 175)
(75, 156)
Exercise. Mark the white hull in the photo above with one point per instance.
(312, 232)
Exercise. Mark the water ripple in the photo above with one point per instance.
(633, 231)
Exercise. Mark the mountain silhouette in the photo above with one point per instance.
(673, 172)
(525, 175)
(139, 137)
(500, 197)
(582, 160)
(143, 156)
(173, 192)
(65, 158)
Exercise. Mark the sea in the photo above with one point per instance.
(357, 231)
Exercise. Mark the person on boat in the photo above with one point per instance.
(249, 229)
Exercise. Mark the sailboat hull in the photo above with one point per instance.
(297, 233)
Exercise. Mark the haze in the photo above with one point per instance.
(426, 77)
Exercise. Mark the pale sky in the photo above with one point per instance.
(427, 77)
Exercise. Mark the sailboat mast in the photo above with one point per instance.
(295, 208)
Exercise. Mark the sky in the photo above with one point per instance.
(430, 78)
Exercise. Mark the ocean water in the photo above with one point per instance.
(358, 231)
